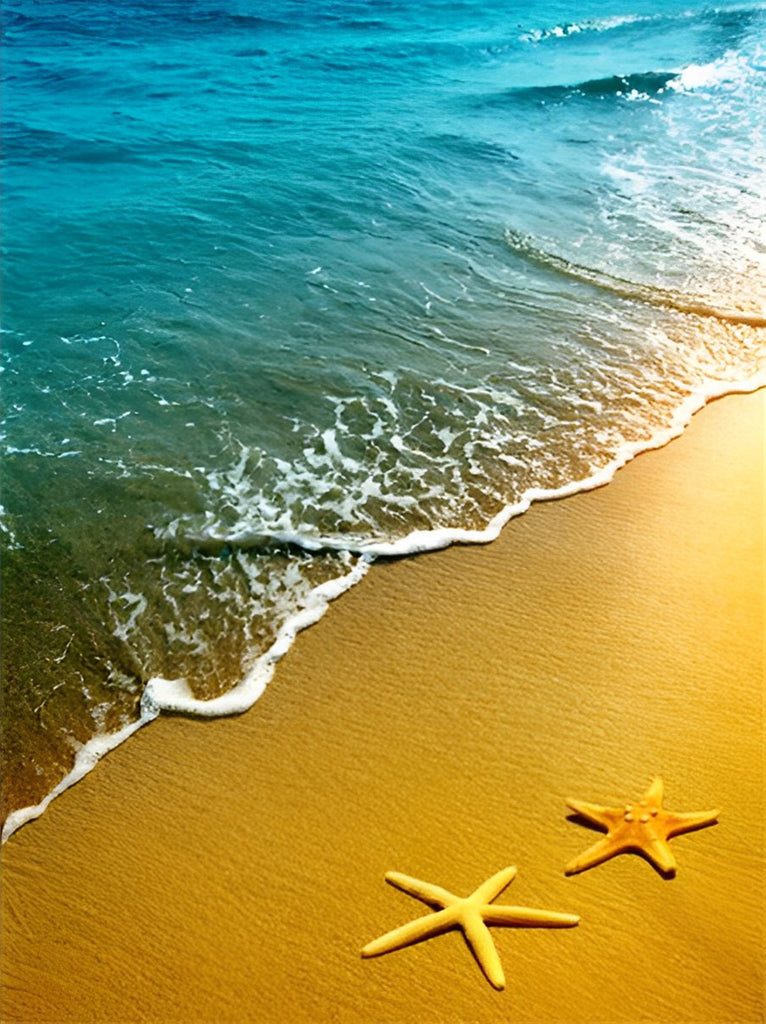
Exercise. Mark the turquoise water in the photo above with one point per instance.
(288, 287)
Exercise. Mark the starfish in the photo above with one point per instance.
(643, 827)
(471, 914)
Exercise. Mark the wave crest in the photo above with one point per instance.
(537, 35)
(633, 290)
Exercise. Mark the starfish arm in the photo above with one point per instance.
(488, 890)
(659, 853)
(654, 793)
(596, 854)
(596, 815)
(410, 933)
(479, 939)
(526, 917)
(434, 895)
(678, 823)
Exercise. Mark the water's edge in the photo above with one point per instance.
(174, 695)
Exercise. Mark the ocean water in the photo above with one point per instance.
(291, 287)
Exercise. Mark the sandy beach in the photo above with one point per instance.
(433, 723)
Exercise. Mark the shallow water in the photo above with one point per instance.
(288, 285)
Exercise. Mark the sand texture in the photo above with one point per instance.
(433, 724)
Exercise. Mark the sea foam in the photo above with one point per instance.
(174, 695)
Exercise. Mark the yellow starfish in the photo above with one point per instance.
(471, 914)
(642, 827)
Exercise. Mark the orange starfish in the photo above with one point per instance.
(643, 827)
(471, 914)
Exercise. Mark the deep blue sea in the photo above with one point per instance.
(292, 286)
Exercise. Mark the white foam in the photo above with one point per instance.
(591, 25)
(421, 541)
(86, 759)
(11, 540)
(175, 696)
(732, 68)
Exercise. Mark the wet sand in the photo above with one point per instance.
(433, 723)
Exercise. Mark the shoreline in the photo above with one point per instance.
(173, 695)
(434, 724)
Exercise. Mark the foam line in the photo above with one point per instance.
(421, 541)
(86, 759)
(174, 695)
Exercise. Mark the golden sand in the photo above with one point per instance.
(433, 724)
